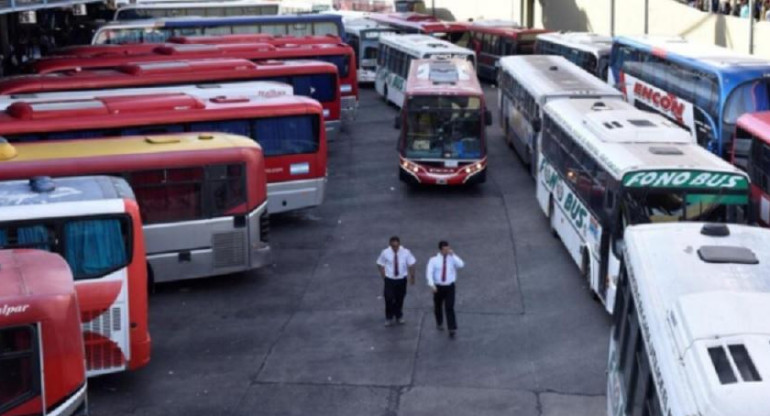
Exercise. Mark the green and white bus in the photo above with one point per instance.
(605, 165)
(395, 57)
(690, 330)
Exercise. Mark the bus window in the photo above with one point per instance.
(287, 135)
(218, 30)
(325, 28)
(95, 247)
(252, 29)
(300, 29)
(750, 97)
(159, 129)
(240, 127)
(319, 87)
(273, 29)
(36, 236)
(227, 184)
(19, 376)
(169, 195)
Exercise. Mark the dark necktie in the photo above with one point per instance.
(443, 271)
(395, 264)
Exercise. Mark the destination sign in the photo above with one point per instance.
(685, 179)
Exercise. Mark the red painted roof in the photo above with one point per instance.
(33, 275)
(174, 71)
(758, 124)
(417, 21)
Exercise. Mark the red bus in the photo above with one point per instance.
(339, 54)
(314, 79)
(41, 346)
(95, 225)
(289, 129)
(425, 24)
(442, 125)
(752, 139)
(202, 197)
(492, 39)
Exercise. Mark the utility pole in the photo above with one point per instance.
(646, 17)
(751, 26)
(433, 6)
(612, 17)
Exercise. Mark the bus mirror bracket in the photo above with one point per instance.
(397, 123)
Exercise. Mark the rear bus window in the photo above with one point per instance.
(19, 376)
(287, 135)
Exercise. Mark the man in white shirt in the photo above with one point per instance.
(441, 275)
(395, 263)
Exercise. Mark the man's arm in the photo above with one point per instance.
(429, 275)
(381, 265)
(411, 262)
(459, 263)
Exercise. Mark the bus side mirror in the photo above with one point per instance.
(488, 117)
(537, 125)
(618, 246)
(397, 123)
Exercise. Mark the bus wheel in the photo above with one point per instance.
(585, 273)
(552, 218)
(150, 281)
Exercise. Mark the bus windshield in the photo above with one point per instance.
(750, 97)
(655, 206)
(444, 127)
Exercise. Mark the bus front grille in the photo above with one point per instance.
(103, 353)
(229, 249)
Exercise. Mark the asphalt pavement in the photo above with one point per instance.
(306, 336)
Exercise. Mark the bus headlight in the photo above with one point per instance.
(409, 166)
(473, 168)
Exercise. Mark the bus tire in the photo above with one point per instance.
(150, 281)
(551, 218)
(585, 273)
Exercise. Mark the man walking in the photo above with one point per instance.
(441, 275)
(395, 263)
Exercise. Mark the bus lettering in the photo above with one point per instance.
(576, 211)
(686, 179)
(661, 100)
(8, 310)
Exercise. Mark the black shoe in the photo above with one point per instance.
(452, 333)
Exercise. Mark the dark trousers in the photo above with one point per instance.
(444, 301)
(394, 294)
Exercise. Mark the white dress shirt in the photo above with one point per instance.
(435, 270)
(405, 259)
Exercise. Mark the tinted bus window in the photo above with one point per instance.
(19, 377)
(286, 135)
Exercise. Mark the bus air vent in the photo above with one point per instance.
(443, 73)
(715, 230)
(162, 139)
(42, 184)
(641, 123)
(727, 254)
(742, 360)
(553, 68)
(599, 106)
(666, 151)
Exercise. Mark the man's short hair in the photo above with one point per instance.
(395, 238)
(442, 244)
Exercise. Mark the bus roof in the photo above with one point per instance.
(584, 41)
(195, 21)
(356, 26)
(546, 76)
(418, 21)
(167, 52)
(503, 28)
(697, 54)
(624, 139)
(419, 45)
(140, 110)
(196, 5)
(757, 124)
(276, 40)
(65, 190)
(442, 77)
(34, 278)
(696, 292)
(173, 71)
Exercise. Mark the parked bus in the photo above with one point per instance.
(202, 196)
(370, 6)
(752, 135)
(363, 37)
(289, 130)
(605, 165)
(141, 11)
(95, 225)
(315, 79)
(690, 327)
(525, 84)
(424, 24)
(702, 88)
(159, 30)
(41, 346)
(339, 54)
(395, 58)
(589, 51)
(443, 120)
(493, 39)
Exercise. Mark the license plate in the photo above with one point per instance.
(441, 181)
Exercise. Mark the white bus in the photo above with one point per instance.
(396, 54)
(691, 329)
(526, 83)
(589, 51)
(253, 89)
(605, 165)
(139, 11)
(364, 38)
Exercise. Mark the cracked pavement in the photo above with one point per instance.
(306, 336)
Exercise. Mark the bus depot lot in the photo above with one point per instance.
(306, 337)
